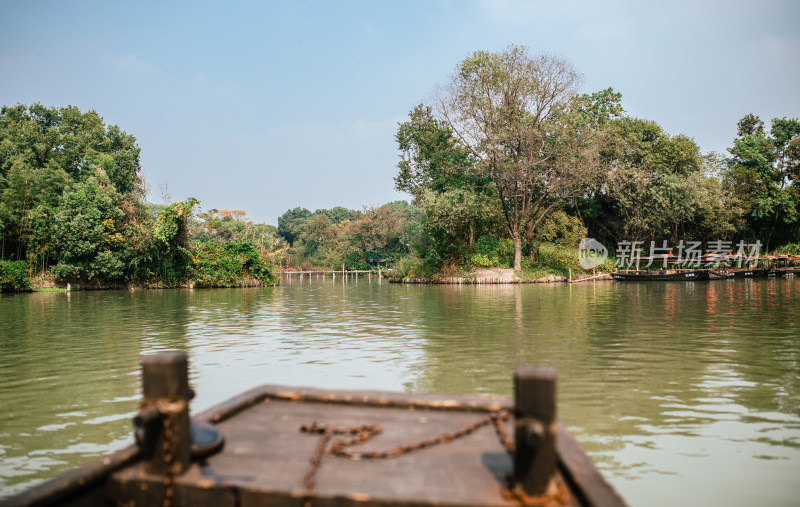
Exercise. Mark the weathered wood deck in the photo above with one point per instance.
(266, 459)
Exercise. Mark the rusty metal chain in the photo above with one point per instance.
(558, 495)
(166, 410)
(500, 427)
(361, 434)
(313, 465)
(169, 453)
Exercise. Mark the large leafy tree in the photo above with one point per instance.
(652, 178)
(379, 234)
(290, 222)
(764, 175)
(432, 160)
(43, 152)
(87, 232)
(318, 241)
(338, 214)
(519, 116)
(171, 233)
(458, 201)
(454, 220)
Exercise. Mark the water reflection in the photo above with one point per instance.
(68, 380)
(691, 383)
(680, 391)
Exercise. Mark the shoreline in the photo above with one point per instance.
(53, 288)
(495, 277)
(486, 277)
(461, 280)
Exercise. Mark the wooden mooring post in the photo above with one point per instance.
(163, 426)
(535, 429)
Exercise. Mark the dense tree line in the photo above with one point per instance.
(336, 237)
(72, 209)
(508, 166)
(509, 151)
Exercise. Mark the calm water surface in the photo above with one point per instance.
(682, 393)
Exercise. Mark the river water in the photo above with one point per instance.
(682, 393)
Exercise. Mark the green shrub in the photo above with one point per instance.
(416, 266)
(230, 265)
(64, 271)
(14, 276)
(407, 266)
(791, 249)
(492, 251)
(483, 260)
(505, 252)
(562, 229)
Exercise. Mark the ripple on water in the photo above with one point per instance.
(681, 393)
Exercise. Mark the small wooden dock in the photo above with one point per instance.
(304, 447)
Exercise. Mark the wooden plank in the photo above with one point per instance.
(135, 486)
(266, 457)
(340, 477)
(354, 398)
(581, 473)
(77, 487)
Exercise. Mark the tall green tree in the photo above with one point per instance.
(457, 200)
(319, 241)
(87, 232)
(651, 180)
(518, 115)
(380, 234)
(171, 232)
(290, 222)
(338, 214)
(432, 160)
(43, 150)
(455, 219)
(763, 170)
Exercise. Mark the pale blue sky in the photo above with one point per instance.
(268, 106)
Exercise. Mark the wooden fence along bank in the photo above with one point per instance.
(320, 274)
(281, 446)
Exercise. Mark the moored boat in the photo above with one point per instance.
(304, 446)
(663, 275)
(723, 273)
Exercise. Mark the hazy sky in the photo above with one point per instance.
(271, 105)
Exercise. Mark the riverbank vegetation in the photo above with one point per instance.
(509, 149)
(507, 167)
(73, 210)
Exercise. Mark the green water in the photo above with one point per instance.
(682, 393)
